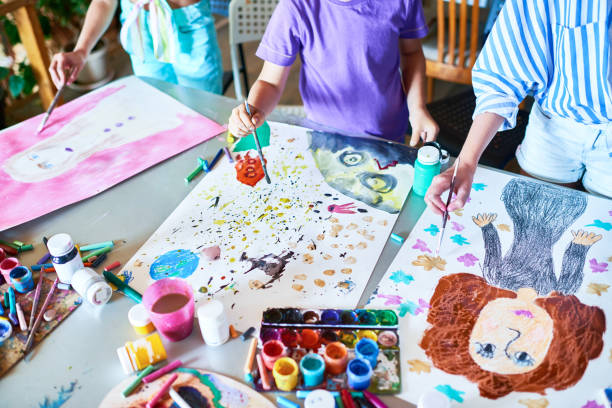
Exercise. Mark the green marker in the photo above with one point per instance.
(124, 287)
(137, 381)
(97, 252)
(9, 244)
(99, 245)
(202, 166)
(25, 248)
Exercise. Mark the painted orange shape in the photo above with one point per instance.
(249, 170)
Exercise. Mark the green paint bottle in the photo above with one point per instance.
(426, 167)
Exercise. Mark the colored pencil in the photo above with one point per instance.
(162, 391)
(448, 200)
(28, 344)
(259, 152)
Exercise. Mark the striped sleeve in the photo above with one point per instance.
(513, 61)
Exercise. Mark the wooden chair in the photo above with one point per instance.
(453, 63)
(26, 19)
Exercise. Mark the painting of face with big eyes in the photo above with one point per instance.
(377, 174)
(511, 336)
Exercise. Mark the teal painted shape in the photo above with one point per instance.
(450, 392)
(248, 142)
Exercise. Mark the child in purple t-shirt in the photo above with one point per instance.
(363, 68)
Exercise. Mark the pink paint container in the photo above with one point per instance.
(171, 307)
(6, 266)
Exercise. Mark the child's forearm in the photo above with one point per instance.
(264, 96)
(413, 77)
(483, 129)
(98, 18)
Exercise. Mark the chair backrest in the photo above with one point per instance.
(453, 63)
(248, 19)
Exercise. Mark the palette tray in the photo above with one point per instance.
(304, 331)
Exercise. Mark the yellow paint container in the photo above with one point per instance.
(138, 354)
(285, 373)
(368, 334)
(140, 320)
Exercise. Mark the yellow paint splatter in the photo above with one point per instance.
(459, 212)
(350, 260)
(610, 259)
(284, 200)
(333, 220)
(350, 247)
(534, 403)
(597, 288)
(503, 227)
(429, 262)
(300, 276)
(232, 259)
(334, 245)
(307, 258)
(329, 272)
(311, 246)
(362, 245)
(327, 257)
(299, 156)
(346, 271)
(255, 284)
(419, 366)
(367, 218)
(219, 222)
(319, 282)
(245, 213)
(352, 226)
(383, 222)
(320, 237)
(297, 287)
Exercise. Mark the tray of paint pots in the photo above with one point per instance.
(298, 335)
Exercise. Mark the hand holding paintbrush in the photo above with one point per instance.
(448, 200)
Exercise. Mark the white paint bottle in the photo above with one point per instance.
(213, 323)
(91, 286)
(64, 256)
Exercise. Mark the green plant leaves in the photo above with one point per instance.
(4, 72)
(16, 84)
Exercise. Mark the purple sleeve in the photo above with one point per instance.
(281, 41)
(414, 23)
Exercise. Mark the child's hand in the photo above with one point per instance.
(423, 126)
(66, 62)
(241, 124)
(441, 183)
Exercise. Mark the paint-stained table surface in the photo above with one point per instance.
(78, 362)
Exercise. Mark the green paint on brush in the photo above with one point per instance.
(204, 378)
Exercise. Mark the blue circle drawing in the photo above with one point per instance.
(180, 263)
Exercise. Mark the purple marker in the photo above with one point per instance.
(44, 259)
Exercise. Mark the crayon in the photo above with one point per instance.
(286, 403)
(363, 402)
(347, 400)
(339, 403)
(164, 370)
(248, 365)
(99, 245)
(215, 160)
(228, 154)
(201, 165)
(9, 250)
(138, 380)
(233, 332)
(98, 261)
(38, 266)
(13, 308)
(178, 400)
(244, 336)
(7, 302)
(1, 309)
(22, 322)
(162, 391)
(44, 259)
(24, 248)
(263, 374)
(397, 238)
(18, 243)
(97, 252)
(124, 287)
(373, 399)
(112, 266)
(8, 244)
(302, 394)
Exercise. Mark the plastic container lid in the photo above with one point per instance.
(212, 313)
(433, 399)
(428, 155)
(319, 399)
(60, 244)
(138, 316)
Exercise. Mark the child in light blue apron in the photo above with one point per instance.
(177, 45)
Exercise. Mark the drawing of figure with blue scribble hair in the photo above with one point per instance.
(377, 173)
(519, 327)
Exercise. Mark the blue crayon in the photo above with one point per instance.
(397, 238)
(215, 160)
(38, 267)
(286, 403)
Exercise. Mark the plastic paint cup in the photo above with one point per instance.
(366, 317)
(320, 399)
(91, 286)
(329, 336)
(273, 316)
(285, 374)
(348, 317)
(21, 279)
(426, 167)
(367, 334)
(311, 317)
(312, 367)
(359, 374)
(387, 317)
(289, 337)
(336, 357)
(171, 307)
(269, 334)
(368, 350)
(309, 339)
(387, 338)
(330, 317)
(6, 266)
(140, 320)
(271, 351)
(214, 325)
(348, 338)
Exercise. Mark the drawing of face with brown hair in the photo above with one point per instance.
(511, 336)
(508, 341)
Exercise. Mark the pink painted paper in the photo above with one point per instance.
(21, 201)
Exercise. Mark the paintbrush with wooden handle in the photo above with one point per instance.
(259, 152)
(448, 200)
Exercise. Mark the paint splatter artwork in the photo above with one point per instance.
(311, 238)
(116, 132)
(514, 308)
